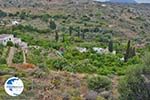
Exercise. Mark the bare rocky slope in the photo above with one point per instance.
(31, 3)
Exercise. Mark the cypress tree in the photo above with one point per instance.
(83, 35)
(130, 52)
(78, 31)
(63, 38)
(127, 55)
(70, 30)
(110, 46)
(56, 36)
(52, 25)
(133, 52)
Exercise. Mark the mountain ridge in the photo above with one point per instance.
(122, 1)
(31, 3)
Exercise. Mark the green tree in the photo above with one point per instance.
(45, 17)
(23, 15)
(63, 37)
(59, 64)
(9, 43)
(56, 36)
(110, 46)
(83, 33)
(130, 52)
(2, 61)
(18, 57)
(53, 25)
(126, 57)
(70, 30)
(78, 31)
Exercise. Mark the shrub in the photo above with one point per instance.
(18, 57)
(105, 37)
(22, 15)
(135, 84)
(85, 18)
(52, 25)
(59, 64)
(9, 43)
(99, 83)
(45, 17)
(2, 61)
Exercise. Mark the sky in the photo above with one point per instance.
(143, 1)
(139, 1)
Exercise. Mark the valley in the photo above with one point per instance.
(75, 50)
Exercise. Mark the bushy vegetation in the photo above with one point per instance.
(91, 62)
(10, 44)
(135, 84)
(3, 61)
(99, 83)
(69, 37)
(55, 48)
(3, 54)
(18, 57)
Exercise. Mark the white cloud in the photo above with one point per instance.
(143, 1)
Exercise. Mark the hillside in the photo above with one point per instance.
(37, 3)
(75, 50)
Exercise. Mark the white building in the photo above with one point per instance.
(82, 50)
(103, 5)
(15, 22)
(122, 59)
(17, 40)
(4, 38)
(23, 45)
(100, 50)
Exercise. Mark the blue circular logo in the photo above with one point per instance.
(14, 86)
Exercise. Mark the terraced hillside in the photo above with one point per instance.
(76, 50)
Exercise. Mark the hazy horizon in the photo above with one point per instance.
(139, 1)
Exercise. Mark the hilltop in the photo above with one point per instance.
(122, 1)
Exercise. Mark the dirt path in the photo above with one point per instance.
(115, 82)
(24, 57)
(10, 55)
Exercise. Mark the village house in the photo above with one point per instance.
(4, 38)
(103, 5)
(82, 50)
(15, 22)
(100, 50)
(17, 40)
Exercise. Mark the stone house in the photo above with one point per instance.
(15, 22)
(4, 38)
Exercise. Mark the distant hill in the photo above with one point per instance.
(122, 1)
(38, 3)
